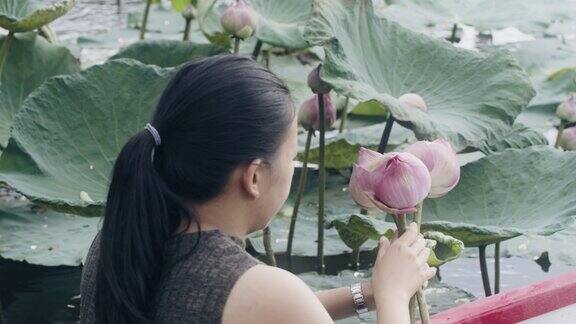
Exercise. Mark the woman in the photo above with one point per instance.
(215, 164)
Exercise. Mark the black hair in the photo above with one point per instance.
(214, 115)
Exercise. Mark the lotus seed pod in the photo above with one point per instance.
(394, 182)
(316, 83)
(442, 163)
(414, 100)
(567, 109)
(239, 20)
(568, 139)
(308, 114)
(189, 13)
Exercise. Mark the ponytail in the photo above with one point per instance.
(141, 214)
(213, 115)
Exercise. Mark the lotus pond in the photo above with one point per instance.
(78, 78)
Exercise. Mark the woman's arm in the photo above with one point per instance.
(338, 301)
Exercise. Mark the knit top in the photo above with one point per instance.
(192, 288)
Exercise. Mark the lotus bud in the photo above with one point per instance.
(395, 182)
(567, 109)
(568, 139)
(189, 13)
(239, 20)
(442, 163)
(308, 114)
(414, 100)
(360, 186)
(316, 83)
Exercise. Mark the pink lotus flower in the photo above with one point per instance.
(568, 139)
(308, 114)
(567, 109)
(239, 19)
(393, 182)
(414, 100)
(440, 159)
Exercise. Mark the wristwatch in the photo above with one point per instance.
(359, 300)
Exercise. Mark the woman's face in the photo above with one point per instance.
(277, 187)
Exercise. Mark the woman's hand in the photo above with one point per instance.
(401, 268)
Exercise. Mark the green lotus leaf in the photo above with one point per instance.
(342, 149)
(444, 248)
(280, 22)
(338, 203)
(180, 5)
(168, 53)
(45, 238)
(369, 58)
(556, 87)
(369, 108)
(22, 16)
(507, 194)
(68, 133)
(357, 229)
(30, 61)
(519, 136)
(161, 19)
(485, 15)
(294, 74)
(551, 64)
(539, 118)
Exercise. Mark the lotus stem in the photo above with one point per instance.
(386, 134)
(187, 29)
(145, 19)
(418, 215)
(484, 270)
(236, 45)
(400, 221)
(497, 268)
(322, 186)
(422, 306)
(412, 310)
(257, 49)
(356, 257)
(266, 55)
(4, 50)
(344, 115)
(301, 186)
(268, 246)
(453, 36)
(558, 137)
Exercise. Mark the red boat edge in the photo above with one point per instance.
(516, 305)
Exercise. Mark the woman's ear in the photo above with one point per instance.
(252, 178)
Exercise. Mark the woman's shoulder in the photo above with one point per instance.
(212, 249)
(273, 295)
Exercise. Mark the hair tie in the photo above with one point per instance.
(154, 133)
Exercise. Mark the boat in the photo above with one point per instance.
(549, 301)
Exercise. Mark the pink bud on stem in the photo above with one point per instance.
(309, 112)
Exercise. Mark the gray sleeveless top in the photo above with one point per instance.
(192, 290)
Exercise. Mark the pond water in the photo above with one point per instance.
(94, 30)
